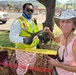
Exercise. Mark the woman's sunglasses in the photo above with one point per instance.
(58, 57)
(29, 10)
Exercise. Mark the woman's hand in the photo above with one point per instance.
(54, 62)
(47, 29)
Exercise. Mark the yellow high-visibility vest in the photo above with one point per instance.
(24, 23)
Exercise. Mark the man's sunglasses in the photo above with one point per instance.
(28, 10)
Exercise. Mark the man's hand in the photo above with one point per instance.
(28, 40)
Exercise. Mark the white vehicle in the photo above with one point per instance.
(4, 17)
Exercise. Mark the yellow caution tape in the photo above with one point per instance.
(42, 51)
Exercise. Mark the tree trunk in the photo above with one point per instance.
(50, 11)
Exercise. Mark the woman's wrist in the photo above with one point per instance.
(64, 67)
(52, 35)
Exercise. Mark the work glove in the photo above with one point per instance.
(28, 40)
(33, 36)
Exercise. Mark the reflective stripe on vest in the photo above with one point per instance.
(24, 23)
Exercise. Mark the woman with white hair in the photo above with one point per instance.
(65, 63)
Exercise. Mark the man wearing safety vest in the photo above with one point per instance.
(20, 35)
